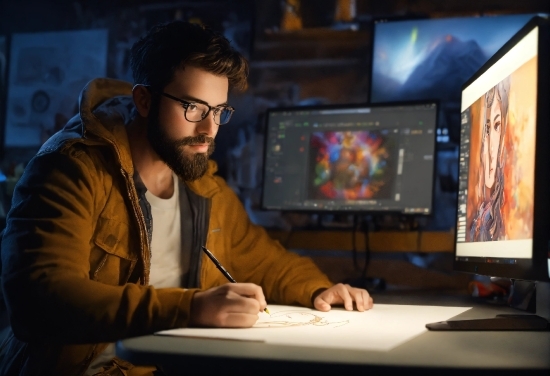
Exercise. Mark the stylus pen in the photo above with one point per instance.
(222, 269)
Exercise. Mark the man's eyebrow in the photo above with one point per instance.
(495, 119)
(197, 100)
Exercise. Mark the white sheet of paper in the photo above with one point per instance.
(380, 329)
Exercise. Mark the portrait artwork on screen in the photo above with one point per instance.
(351, 165)
(502, 156)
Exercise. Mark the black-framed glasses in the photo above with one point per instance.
(197, 111)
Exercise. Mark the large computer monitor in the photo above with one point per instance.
(352, 158)
(503, 224)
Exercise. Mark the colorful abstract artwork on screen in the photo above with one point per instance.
(351, 165)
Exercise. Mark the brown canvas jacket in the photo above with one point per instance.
(76, 257)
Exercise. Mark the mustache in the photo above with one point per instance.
(200, 139)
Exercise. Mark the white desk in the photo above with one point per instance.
(441, 353)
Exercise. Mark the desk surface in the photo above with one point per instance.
(431, 352)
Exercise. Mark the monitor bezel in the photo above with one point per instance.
(361, 211)
(535, 268)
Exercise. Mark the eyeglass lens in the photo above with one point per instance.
(197, 111)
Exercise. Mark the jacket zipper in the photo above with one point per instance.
(200, 206)
(100, 266)
(141, 221)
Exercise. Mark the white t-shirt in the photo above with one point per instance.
(166, 242)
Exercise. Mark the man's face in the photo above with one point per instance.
(183, 145)
(492, 142)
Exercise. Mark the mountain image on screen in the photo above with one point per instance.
(450, 63)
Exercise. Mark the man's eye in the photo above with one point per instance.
(192, 107)
(497, 125)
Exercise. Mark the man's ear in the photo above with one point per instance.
(142, 99)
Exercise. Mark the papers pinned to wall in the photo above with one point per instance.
(47, 72)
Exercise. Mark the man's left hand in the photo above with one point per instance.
(343, 294)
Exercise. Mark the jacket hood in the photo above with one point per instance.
(105, 105)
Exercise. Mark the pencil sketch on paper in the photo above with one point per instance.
(285, 319)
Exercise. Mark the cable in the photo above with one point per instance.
(367, 250)
(354, 242)
(419, 240)
(286, 243)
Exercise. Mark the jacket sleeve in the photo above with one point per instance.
(285, 277)
(46, 247)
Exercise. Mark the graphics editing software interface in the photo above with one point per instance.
(376, 158)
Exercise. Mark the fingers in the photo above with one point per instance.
(240, 320)
(234, 302)
(237, 311)
(363, 301)
(321, 305)
(334, 295)
(230, 305)
(370, 302)
(343, 294)
(359, 298)
(250, 290)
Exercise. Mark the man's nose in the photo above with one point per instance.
(207, 125)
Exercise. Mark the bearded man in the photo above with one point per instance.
(103, 240)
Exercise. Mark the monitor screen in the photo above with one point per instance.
(377, 158)
(503, 179)
(426, 59)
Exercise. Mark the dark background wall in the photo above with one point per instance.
(324, 61)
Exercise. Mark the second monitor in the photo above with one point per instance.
(375, 158)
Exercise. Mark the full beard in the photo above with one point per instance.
(187, 166)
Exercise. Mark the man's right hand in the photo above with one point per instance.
(233, 305)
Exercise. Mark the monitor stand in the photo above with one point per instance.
(540, 321)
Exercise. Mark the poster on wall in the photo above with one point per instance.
(47, 72)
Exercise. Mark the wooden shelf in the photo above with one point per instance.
(307, 63)
(382, 241)
(314, 33)
(311, 44)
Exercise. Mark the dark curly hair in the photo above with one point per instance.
(174, 45)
